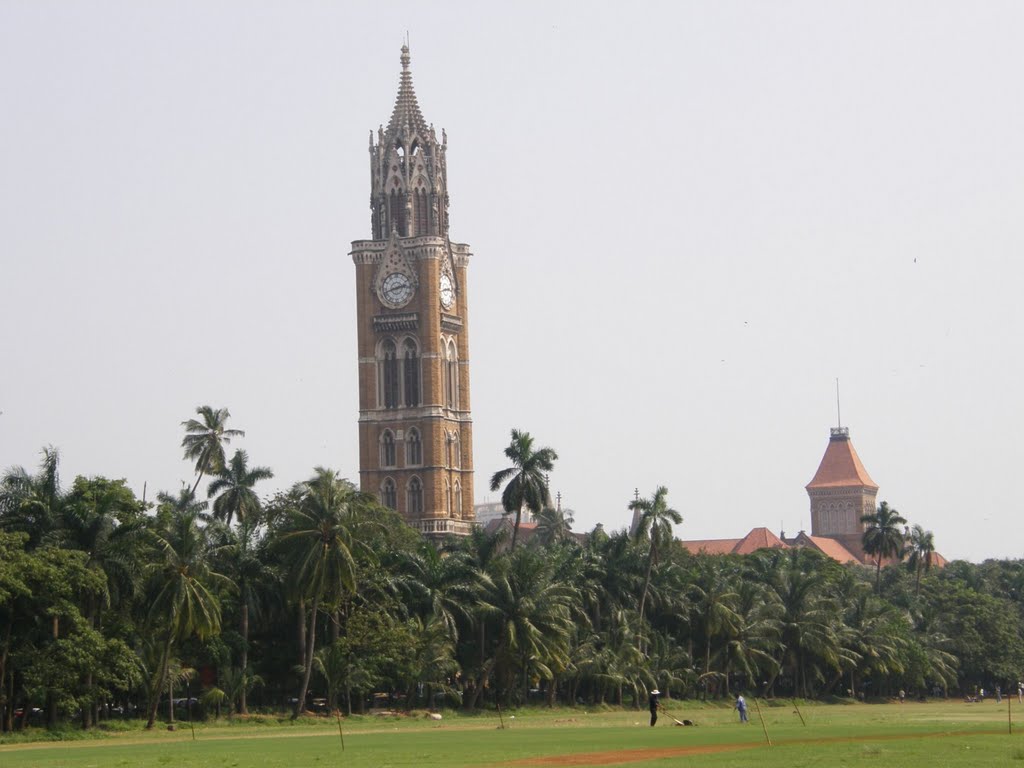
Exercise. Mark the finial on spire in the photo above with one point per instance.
(839, 413)
(405, 55)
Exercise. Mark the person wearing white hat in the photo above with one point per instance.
(655, 705)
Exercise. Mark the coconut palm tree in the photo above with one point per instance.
(883, 537)
(31, 503)
(809, 618)
(714, 605)
(554, 525)
(317, 541)
(534, 613)
(244, 558)
(233, 488)
(204, 440)
(526, 478)
(183, 582)
(103, 519)
(441, 587)
(922, 548)
(656, 520)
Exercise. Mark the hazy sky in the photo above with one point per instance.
(687, 218)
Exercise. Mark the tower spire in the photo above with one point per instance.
(839, 432)
(839, 413)
(409, 192)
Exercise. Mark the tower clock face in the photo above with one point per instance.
(396, 289)
(447, 292)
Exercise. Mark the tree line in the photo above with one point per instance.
(318, 597)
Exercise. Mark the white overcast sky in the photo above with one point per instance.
(688, 220)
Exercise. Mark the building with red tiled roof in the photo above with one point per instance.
(841, 492)
(758, 538)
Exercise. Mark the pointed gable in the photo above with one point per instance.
(841, 466)
(758, 538)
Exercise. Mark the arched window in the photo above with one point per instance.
(421, 212)
(387, 448)
(451, 376)
(448, 497)
(415, 497)
(413, 448)
(411, 372)
(388, 494)
(456, 451)
(458, 499)
(387, 374)
(396, 204)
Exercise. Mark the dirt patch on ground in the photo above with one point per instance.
(630, 755)
(621, 756)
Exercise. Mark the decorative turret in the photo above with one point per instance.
(841, 491)
(409, 190)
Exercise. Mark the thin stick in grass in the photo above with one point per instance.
(763, 726)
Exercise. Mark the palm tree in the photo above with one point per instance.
(922, 548)
(883, 537)
(234, 484)
(527, 484)
(244, 558)
(183, 582)
(204, 440)
(32, 503)
(103, 519)
(441, 586)
(318, 543)
(534, 614)
(714, 604)
(656, 519)
(554, 525)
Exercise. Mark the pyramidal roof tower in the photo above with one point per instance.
(841, 491)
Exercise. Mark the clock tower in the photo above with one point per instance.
(415, 429)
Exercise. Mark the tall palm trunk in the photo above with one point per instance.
(243, 708)
(51, 699)
(158, 684)
(8, 709)
(302, 632)
(643, 597)
(515, 530)
(300, 705)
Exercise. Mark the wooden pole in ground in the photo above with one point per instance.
(802, 721)
(341, 735)
(500, 718)
(188, 705)
(763, 726)
(1009, 717)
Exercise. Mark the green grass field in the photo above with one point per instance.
(933, 734)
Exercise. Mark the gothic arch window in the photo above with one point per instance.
(387, 448)
(448, 497)
(451, 376)
(456, 451)
(414, 494)
(458, 499)
(387, 374)
(389, 494)
(413, 448)
(396, 205)
(421, 212)
(411, 372)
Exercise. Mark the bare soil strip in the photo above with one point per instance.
(622, 756)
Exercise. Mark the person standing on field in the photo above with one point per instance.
(655, 705)
(741, 707)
